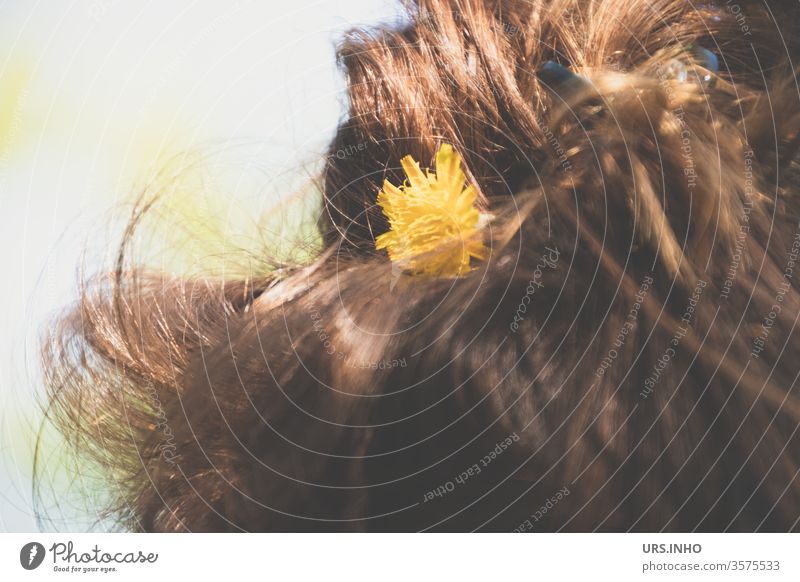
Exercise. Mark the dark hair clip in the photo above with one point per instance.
(709, 61)
(706, 58)
(559, 80)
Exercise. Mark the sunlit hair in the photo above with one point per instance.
(629, 339)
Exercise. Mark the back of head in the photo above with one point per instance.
(623, 357)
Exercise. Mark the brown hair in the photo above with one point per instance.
(625, 359)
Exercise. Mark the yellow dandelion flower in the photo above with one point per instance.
(434, 225)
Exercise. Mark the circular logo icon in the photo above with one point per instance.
(31, 555)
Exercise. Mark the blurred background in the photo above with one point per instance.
(225, 106)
